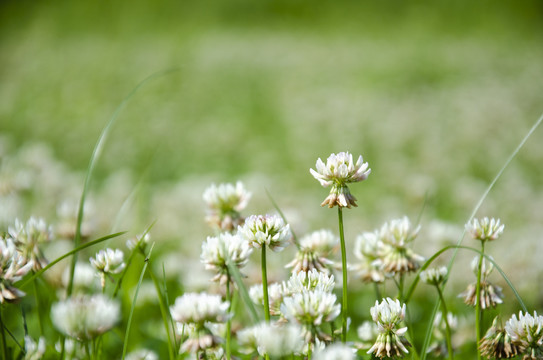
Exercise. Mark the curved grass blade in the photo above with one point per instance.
(164, 313)
(129, 324)
(234, 271)
(74, 251)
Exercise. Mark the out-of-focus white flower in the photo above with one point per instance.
(266, 230)
(313, 252)
(225, 202)
(29, 236)
(142, 354)
(108, 261)
(339, 171)
(278, 340)
(218, 251)
(139, 242)
(367, 248)
(394, 256)
(526, 332)
(336, 352)
(497, 343)
(13, 266)
(434, 276)
(33, 350)
(439, 345)
(85, 317)
(490, 294)
(276, 293)
(485, 229)
(197, 308)
(84, 276)
(390, 341)
(310, 280)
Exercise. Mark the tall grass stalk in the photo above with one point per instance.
(229, 321)
(265, 286)
(445, 314)
(478, 311)
(162, 304)
(344, 276)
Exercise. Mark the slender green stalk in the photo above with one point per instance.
(3, 334)
(87, 350)
(448, 333)
(38, 305)
(478, 312)
(265, 286)
(229, 322)
(344, 273)
(377, 291)
(164, 313)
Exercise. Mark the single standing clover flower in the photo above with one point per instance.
(367, 248)
(339, 171)
(218, 251)
(434, 276)
(13, 266)
(85, 317)
(490, 294)
(390, 341)
(28, 238)
(314, 250)
(225, 202)
(497, 343)
(485, 229)
(266, 230)
(108, 262)
(395, 257)
(526, 332)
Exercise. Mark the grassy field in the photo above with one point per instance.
(434, 95)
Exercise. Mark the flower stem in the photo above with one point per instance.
(344, 272)
(478, 312)
(3, 333)
(447, 326)
(265, 286)
(229, 322)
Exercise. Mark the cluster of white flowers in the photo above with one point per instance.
(85, 317)
(338, 171)
(266, 230)
(388, 315)
(219, 251)
(225, 202)
(526, 334)
(313, 252)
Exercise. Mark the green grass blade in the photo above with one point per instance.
(74, 251)
(166, 318)
(129, 324)
(234, 271)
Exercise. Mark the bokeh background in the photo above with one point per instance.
(435, 95)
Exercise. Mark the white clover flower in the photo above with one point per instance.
(278, 340)
(310, 309)
(33, 350)
(225, 201)
(310, 280)
(85, 317)
(13, 266)
(276, 293)
(439, 346)
(266, 230)
(497, 343)
(526, 332)
(490, 294)
(218, 251)
(197, 308)
(29, 236)
(84, 276)
(142, 354)
(313, 252)
(336, 352)
(394, 256)
(434, 276)
(485, 229)
(367, 248)
(108, 262)
(390, 341)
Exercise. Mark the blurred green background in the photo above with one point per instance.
(434, 94)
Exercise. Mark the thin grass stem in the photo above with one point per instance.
(234, 272)
(265, 286)
(344, 274)
(163, 312)
(229, 322)
(478, 311)
(38, 306)
(445, 313)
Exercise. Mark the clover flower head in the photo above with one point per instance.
(107, 262)
(28, 238)
(276, 293)
(266, 230)
(434, 276)
(497, 344)
(139, 242)
(367, 249)
(310, 280)
(398, 232)
(33, 350)
(219, 251)
(485, 229)
(390, 341)
(197, 308)
(313, 252)
(13, 266)
(526, 332)
(200, 339)
(278, 340)
(490, 294)
(336, 351)
(339, 170)
(310, 308)
(85, 317)
(225, 202)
